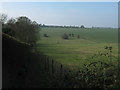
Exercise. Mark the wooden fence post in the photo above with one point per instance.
(48, 63)
(52, 66)
(61, 71)
(45, 62)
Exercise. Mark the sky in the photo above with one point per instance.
(59, 0)
(97, 14)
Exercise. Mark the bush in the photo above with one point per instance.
(65, 36)
(45, 35)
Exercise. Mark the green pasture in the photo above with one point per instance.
(75, 52)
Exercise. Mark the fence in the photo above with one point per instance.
(81, 78)
(51, 66)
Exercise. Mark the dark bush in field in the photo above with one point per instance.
(45, 35)
(72, 35)
(82, 26)
(65, 36)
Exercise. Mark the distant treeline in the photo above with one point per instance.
(55, 26)
(82, 26)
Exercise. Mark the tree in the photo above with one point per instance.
(26, 30)
(11, 21)
(21, 28)
(7, 27)
(72, 35)
(65, 36)
(82, 26)
(11, 24)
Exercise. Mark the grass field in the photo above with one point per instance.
(75, 52)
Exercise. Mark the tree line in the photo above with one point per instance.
(43, 25)
(22, 28)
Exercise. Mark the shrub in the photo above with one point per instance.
(65, 36)
(45, 35)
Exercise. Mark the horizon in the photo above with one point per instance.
(48, 25)
(89, 14)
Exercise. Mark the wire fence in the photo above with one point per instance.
(103, 77)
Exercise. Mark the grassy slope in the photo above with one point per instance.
(97, 35)
(73, 52)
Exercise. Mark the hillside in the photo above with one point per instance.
(21, 66)
(15, 56)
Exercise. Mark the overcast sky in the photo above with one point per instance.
(98, 14)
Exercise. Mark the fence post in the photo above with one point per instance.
(61, 71)
(48, 63)
(52, 66)
(45, 62)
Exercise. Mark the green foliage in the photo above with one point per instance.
(23, 29)
(26, 30)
